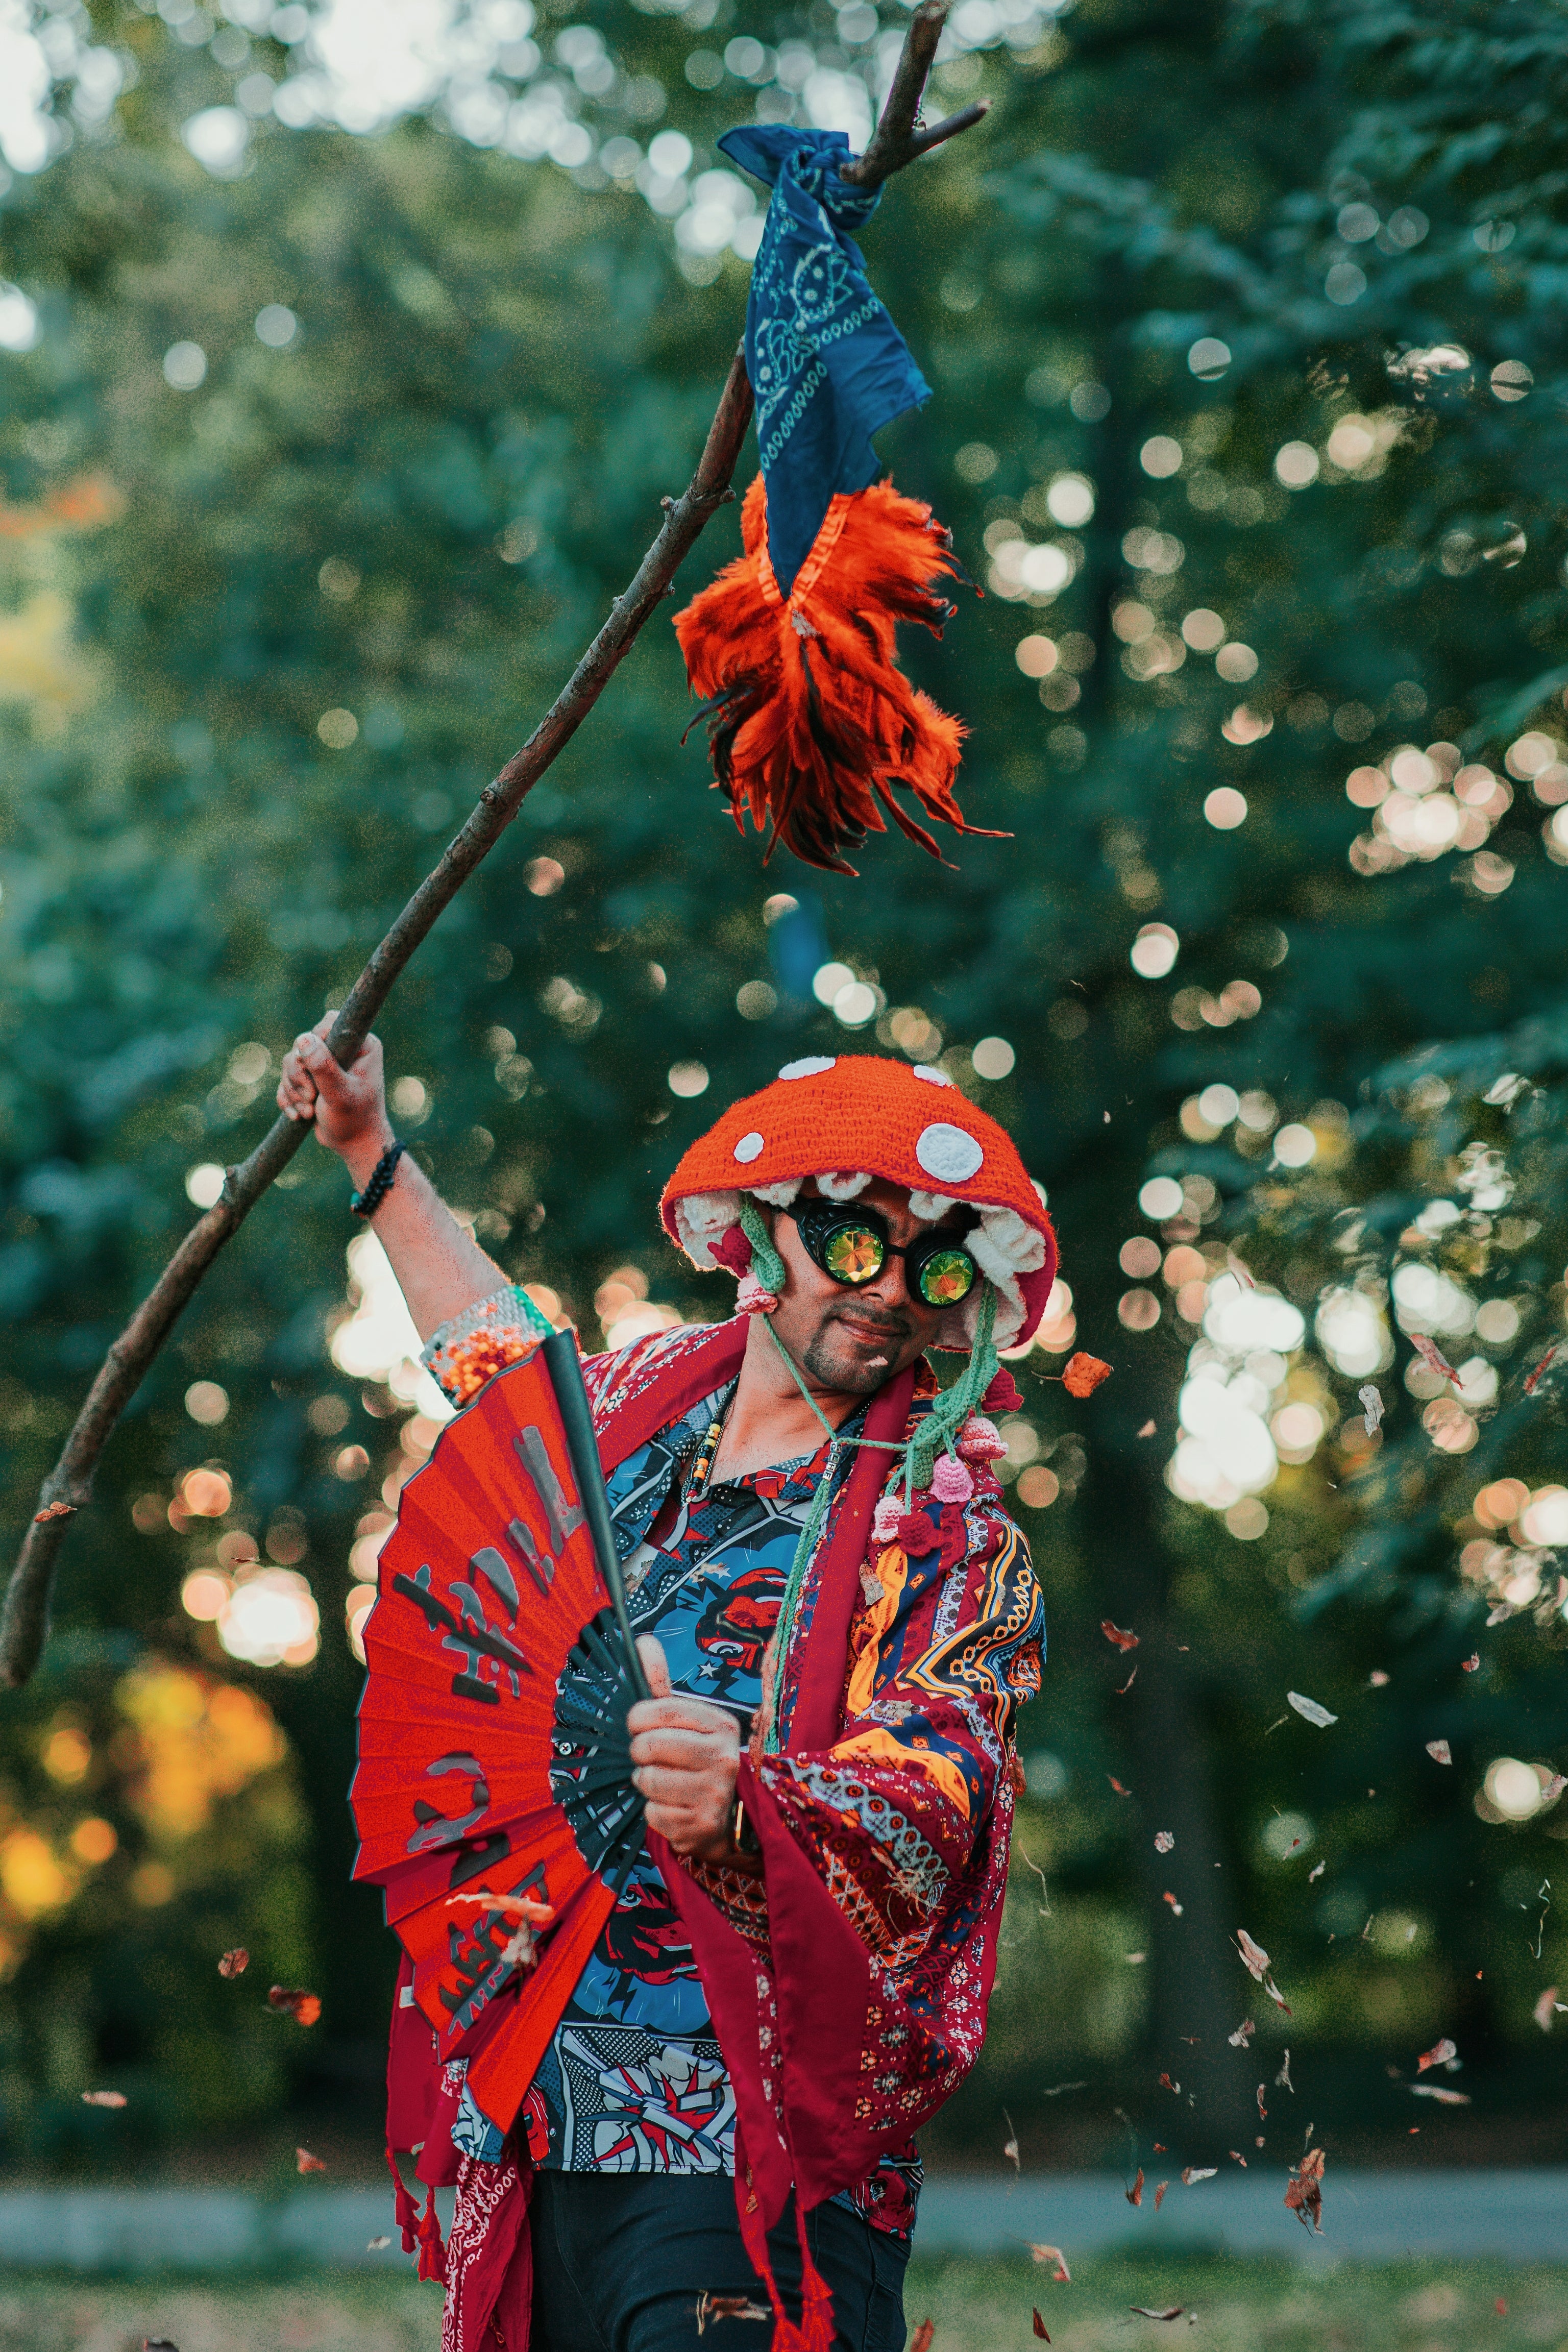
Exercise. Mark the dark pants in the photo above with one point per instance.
(619, 2260)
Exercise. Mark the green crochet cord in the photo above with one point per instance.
(766, 1262)
(953, 1406)
(935, 1436)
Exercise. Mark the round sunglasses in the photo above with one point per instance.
(851, 1246)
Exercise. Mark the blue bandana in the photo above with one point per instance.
(828, 365)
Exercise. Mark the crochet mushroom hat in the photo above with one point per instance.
(844, 1120)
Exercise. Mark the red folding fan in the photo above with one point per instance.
(493, 1754)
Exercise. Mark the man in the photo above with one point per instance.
(840, 1622)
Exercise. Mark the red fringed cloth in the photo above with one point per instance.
(811, 723)
(848, 1983)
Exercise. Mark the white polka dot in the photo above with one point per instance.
(811, 1068)
(932, 1077)
(749, 1146)
(949, 1154)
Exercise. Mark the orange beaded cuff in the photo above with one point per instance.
(472, 1347)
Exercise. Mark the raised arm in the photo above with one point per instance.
(441, 1269)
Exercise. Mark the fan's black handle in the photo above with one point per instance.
(566, 1369)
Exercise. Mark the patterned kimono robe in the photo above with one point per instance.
(847, 1982)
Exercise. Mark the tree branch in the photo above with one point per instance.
(896, 140)
(68, 1486)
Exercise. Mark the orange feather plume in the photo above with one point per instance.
(810, 724)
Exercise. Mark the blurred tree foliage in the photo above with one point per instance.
(1246, 332)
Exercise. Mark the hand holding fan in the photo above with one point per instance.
(493, 1753)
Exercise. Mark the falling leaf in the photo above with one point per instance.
(731, 2306)
(1040, 2329)
(1010, 2150)
(1147, 1429)
(305, 2162)
(1436, 2091)
(1243, 2035)
(1282, 2080)
(1316, 1871)
(103, 2098)
(1169, 1899)
(1163, 1841)
(303, 2007)
(1310, 1710)
(1117, 1785)
(1057, 2089)
(1277, 1997)
(512, 1906)
(376, 2245)
(1543, 1368)
(1114, 1634)
(1237, 2154)
(1134, 2195)
(1372, 1405)
(1438, 2056)
(1061, 2275)
(1147, 2311)
(1304, 2194)
(1166, 2085)
(1501, 2306)
(1159, 2194)
(920, 2340)
(1440, 1751)
(1255, 1959)
(1193, 2173)
(1123, 1688)
(1083, 1374)
(1430, 1354)
(1262, 2110)
(1378, 1679)
(1468, 1665)
(235, 1963)
(1545, 2009)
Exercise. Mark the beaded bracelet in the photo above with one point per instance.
(366, 1203)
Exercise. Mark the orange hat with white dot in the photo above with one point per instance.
(846, 1119)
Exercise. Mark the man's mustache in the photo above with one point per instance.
(888, 1321)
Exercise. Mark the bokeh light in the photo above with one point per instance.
(271, 1620)
(1153, 952)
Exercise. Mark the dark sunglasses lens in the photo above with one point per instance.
(946, 1277)
(853, 1254)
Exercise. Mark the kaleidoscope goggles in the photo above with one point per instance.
(851, 1246)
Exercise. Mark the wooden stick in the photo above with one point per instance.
(68, 1487)
(25, 1625)
(896, 140)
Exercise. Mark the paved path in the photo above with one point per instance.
(1368, 2216)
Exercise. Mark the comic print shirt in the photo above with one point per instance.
(633, 2081)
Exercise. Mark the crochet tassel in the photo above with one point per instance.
(810, 724)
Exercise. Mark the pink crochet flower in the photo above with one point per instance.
(885, 1520)
(753, 1300)
(950, 1481)
(980, 1440)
